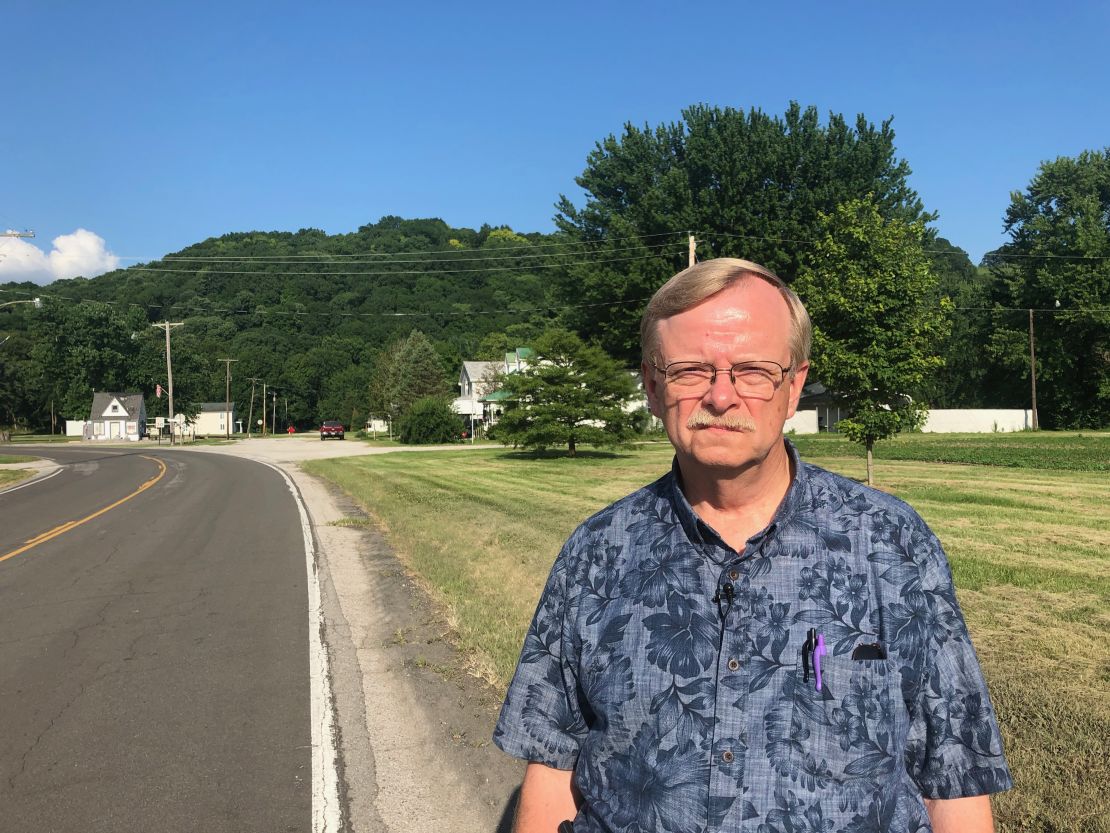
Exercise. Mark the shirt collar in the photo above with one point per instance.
(699, 532)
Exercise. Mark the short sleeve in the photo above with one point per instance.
(954, 747)
(541, 719)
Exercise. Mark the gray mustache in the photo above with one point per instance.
(734, 422)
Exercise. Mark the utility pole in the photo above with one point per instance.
(693, 250)
(273, 417)
(227, 394)
(250, 415)
(263, 409)
(166, 325)
(1033, 371)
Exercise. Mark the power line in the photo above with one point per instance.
(461, 258)
(499, 311)
(330, 314)
(1054, 310)
(367, 273)
(586, 242)
(994, 254)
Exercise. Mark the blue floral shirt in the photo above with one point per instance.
(667, 670)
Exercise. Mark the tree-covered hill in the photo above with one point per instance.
(307, 313)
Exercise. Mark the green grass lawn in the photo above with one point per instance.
(42, 438)
(1029, 545)
(6, 459)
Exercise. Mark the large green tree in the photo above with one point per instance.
(1057, 263)
(972, 378)
(877, 325)
(749, 184)
(408, 370)
(82, 348)
(571, 393)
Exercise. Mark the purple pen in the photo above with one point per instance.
(818, 652)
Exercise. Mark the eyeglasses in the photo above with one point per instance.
(752, 380)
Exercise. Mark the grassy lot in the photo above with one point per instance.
(6, 459)
(1030, 549)
(1072, 451)
(42, 438)
(10, 476)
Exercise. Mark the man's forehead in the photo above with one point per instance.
(751, 312)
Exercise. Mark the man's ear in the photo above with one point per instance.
(797, 383)
(652, 389)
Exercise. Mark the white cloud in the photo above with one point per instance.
(80, 253)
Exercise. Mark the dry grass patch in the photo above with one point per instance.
(10, 476)
(1045, 657)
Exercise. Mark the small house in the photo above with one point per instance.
(117, 416)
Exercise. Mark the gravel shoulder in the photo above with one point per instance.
(414, 726)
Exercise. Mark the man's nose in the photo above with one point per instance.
(722, 393)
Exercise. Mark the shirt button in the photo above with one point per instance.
(727, 756)
(734, 574)
(733, 664)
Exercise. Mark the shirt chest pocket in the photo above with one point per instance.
(849, 729)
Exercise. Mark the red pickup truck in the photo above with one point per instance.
(331, 428)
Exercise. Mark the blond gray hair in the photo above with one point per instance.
(692, 286)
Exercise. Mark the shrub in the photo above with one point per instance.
(429, 420)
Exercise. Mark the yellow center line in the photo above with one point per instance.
(51, 532)
(63, 528)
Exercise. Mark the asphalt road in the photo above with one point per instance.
(154, 663)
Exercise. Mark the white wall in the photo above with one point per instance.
(977, 420)
(803, 422)
(465, 406)
(75, 427)
(212, 424)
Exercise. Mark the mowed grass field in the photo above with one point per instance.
(1029, 546)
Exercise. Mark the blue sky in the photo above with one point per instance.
(156, 125)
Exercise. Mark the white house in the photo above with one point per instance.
(476, 380)
(214, 419)
(116, 416)
(479, 384)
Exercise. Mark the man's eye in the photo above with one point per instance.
(694, 373)
(753, 374)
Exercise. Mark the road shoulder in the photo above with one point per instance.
(414, 726)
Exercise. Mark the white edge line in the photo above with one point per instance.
(33, 481)
(326, 817)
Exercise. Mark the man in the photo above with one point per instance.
(751, 642)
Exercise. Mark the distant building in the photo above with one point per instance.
(213, 420)
(480, 394)
(116, 416)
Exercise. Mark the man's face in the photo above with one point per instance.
(748, 321)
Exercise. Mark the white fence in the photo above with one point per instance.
(977, 420)
(939, 421)
(803, 422)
